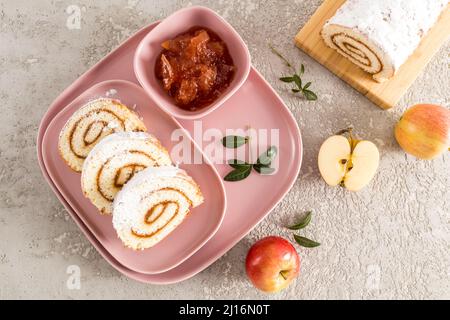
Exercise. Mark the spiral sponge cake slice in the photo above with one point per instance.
(114, 161)
(152, 205)
(90, 124)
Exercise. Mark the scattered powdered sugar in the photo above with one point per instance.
(61, 237)
(124, 136)
(32, 61)
(111, 92)
(151, 173)
(113, 125)
(98, 100)
(120, 138)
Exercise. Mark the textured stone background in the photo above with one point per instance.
(390, 240)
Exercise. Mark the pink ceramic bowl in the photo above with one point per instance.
(150, 48)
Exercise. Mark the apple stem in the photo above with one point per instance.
(344, 131)
(284, 273)
(353, 141)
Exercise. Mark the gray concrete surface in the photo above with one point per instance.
(390, 240)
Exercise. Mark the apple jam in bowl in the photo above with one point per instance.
(195, 68)
(191, 63)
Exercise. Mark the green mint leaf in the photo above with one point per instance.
(298, 81)
(267, 157)
(238, 174)
(296, 90)
(287, 79)
(302, 70)
(302, 223)
(305, 242)
(263, 169)
(238, 164)
(234, 142)
(309, 95)
(307, 86)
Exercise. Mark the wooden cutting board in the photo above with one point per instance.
(386, 94)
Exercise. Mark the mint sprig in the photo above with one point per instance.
(243, 169)
(302, 241)
(296, 78)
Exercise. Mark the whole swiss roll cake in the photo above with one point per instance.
(153, 204)
(380, 35)
(90, 124)
(114, 161)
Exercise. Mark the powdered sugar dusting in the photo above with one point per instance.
(111, 92)
(127, 200)
(396, 27)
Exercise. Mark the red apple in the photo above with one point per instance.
(272, 263)
(424, 131)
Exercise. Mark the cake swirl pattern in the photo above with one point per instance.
(114, 161)
(358, 52)
(90, 124)
(153, 204)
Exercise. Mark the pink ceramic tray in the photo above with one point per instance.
(193, 233)
(249, 201)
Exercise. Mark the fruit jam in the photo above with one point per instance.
(195, 68)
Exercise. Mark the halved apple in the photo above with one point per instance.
(348, 162)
